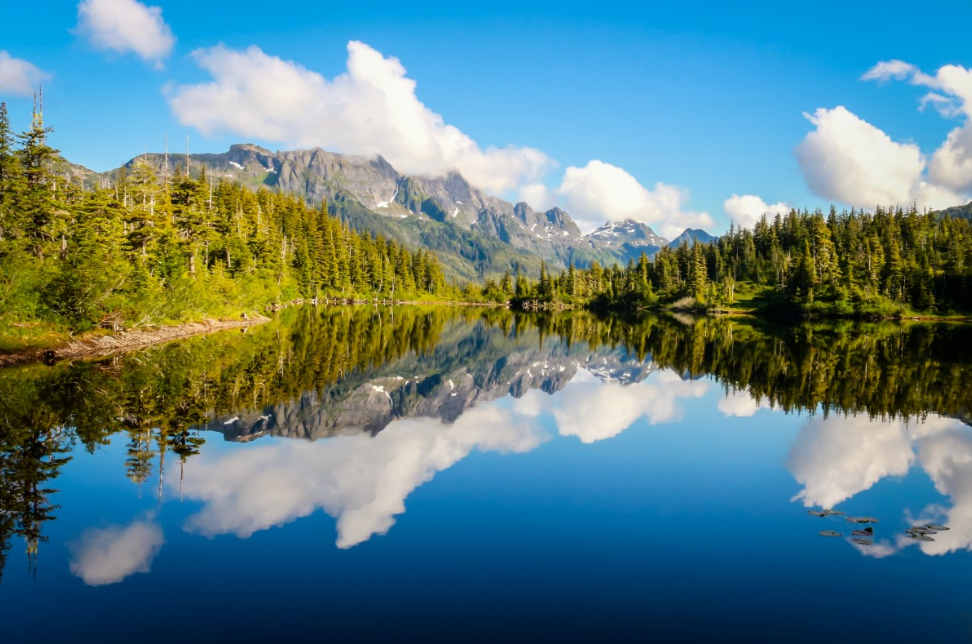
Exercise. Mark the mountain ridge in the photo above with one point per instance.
(475, 234)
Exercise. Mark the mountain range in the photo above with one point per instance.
(474, 234)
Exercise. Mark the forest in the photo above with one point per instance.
(152, 249)
(887, 264)
(160, 247)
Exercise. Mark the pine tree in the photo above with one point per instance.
(35, 202)
(10, 176)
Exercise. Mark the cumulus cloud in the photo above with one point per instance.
(19, 77)
(951, 165)
(593, 410)
(370, 109)
(850, 160)
(950, 168)
(601, 192)
(126, 26)
(747, 210)
(362, 481)
(109, 555)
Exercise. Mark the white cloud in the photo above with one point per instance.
(747, 210)
(849, 160)
(947, 458)
(890, 69)
(109, 555)
(362, 481)
(877, 550)
(944, 105)
(19, 77)
(372, 109)
(593, 410)
(838, 458)
(538, 196)
(601, 192)
(741, 404)
(951, 165)
(126, 26)
(369, 110)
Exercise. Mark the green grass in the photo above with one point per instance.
(24, 336)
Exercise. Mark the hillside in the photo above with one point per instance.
(690, 236)
(474, 234)
(958, 212)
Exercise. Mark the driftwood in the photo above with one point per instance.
(534, 305)
(125, 341)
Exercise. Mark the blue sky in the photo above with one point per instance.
(661, 112)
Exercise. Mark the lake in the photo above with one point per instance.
(361, 474)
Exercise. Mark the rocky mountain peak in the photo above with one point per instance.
(475, 234)
(628, 233)
(561, 219)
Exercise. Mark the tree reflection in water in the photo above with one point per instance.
(314, 373)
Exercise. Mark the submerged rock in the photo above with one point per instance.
(920, 530)
(829, 533)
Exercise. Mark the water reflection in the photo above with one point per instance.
(361, 481)
(741, 404)
(402, 394)
(595, 411)
(108, 555)
(836, 459)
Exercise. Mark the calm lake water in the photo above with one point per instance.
(454, 474)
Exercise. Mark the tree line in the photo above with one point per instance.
(889, 262)
(163, 246)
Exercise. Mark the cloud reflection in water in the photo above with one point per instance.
(108, 555)
(837, 458)
(363, 481)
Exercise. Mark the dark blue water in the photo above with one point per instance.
(629, 503)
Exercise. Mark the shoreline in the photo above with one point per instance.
(96, 345)
(124, 341)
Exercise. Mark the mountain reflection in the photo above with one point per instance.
(363, 481)
(402, 394)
